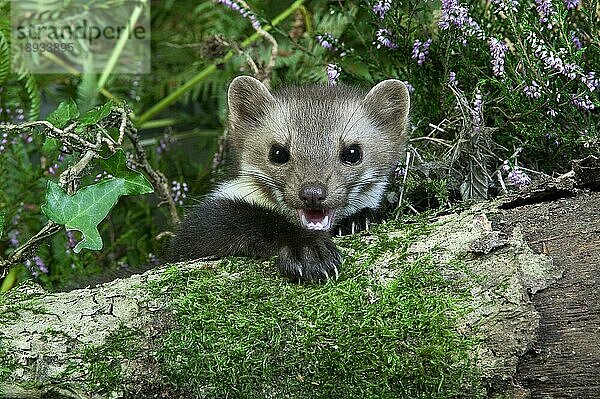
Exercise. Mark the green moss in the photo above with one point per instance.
(245, 332)
(105, 374)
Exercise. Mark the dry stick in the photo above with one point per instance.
(159, 181)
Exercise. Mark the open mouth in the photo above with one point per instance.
(316, 219)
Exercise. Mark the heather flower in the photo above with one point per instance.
(39, 263)
(591, 81)
(27, 138)
(385, 38)
(506, 5)
(452, 79)
(518, 178)
(13, 238)
(53, 169)
(571, 4)
(583, 103)
(546, 11)
(163, 144)
(381, 8)
(243, 12)
(330, 43)
(498, 50)
(457, 15)
(477, 109)
(71, 240)
(333, 73)
(551, 112)
(411, 88)
(421, 51)
(533, 91)
(179, 191)
(3, 142)
(575, 40)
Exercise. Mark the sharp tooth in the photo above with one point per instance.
(326, 220)
(303, 219)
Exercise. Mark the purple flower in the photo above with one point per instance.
(575, 40)
(533, 91)
(13, 238)
(39, 263)
(243, 12)
(411, 88)
(476, 111)
(546, 11)
(498, 50)
(332, 44)
(583, 103)
(385, 38)
(333, 73)
(591, 81)
(518, 178)
(506, 5)
(179, 191)
(457, 15)
(71, 240)
(3, 142)
(381, 8)
(421, 51)
(571, 4)
(452, 79)
(164, 143)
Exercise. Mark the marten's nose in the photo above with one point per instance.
(313, 195)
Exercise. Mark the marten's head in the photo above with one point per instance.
(315, 153)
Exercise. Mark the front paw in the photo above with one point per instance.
(316, 262)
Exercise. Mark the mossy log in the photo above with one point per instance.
(424, 308)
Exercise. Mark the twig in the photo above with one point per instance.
(158, 180)
(24, 251)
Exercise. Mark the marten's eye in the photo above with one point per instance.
(278, 154)
(352, 155)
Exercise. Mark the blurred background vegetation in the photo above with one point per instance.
(502, 91)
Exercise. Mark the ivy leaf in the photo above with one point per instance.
(2, 213)
(84, 210)
(93, 116)
(66, 111)
(135, 182)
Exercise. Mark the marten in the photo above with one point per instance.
(303, 159)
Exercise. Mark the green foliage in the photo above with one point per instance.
(246, 333)
(2, 215)
(4, 58)
(66, 111)
(84, 210)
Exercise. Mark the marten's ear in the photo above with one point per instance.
(247, 99)
(388, 104)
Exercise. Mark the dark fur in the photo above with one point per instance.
(223, 227)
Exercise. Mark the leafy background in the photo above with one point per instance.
(499, 88)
